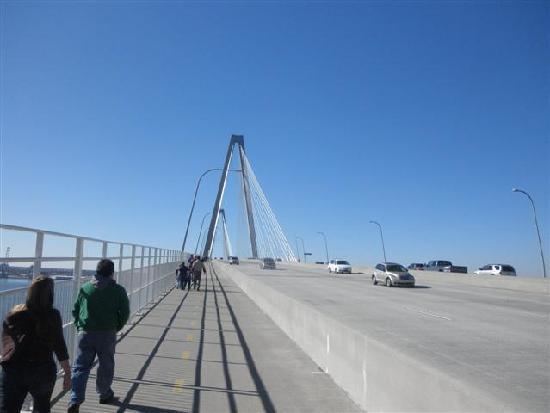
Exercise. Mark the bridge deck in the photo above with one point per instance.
(213, 351)
(492, 338)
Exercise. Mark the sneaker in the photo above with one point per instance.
(108, 399)
(73, 408)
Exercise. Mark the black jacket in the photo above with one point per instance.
(37, 337)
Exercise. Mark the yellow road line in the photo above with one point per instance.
(178, 386)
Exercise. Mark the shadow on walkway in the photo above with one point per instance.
(166, 383)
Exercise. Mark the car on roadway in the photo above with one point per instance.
(392, 274)
(445, 266)
(233, 260)
(419, 266)
(496, 269)
(339, 266)
(267, 263)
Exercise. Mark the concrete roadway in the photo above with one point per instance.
(495, 339)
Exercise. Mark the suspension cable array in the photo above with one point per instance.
(266, 236)
(271, 240)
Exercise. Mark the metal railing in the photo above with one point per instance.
(145, 272)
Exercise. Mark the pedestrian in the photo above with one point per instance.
(100, 311)
(178, 276)
(31, 334)
(185, 280)
(198, 269)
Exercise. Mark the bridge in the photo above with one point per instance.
(296, 338)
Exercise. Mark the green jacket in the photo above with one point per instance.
(101, 304)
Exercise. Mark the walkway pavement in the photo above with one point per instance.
(213, 351)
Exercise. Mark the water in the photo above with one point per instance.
(11, 283)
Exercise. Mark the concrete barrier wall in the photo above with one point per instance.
(375, 376)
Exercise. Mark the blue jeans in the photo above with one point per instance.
(90, 344)
(18, 381)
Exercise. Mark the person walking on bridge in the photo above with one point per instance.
(100, 311)
(31, 334)
(184, 277)
(198, 269)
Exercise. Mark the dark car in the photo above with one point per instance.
(267, 263)
(419, 266)
(445, 266)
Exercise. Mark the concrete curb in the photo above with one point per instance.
(374, 376)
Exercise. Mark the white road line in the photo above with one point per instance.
(428, 313)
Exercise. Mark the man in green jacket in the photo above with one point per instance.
(101, 309)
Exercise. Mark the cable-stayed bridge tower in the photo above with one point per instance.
(265, 233)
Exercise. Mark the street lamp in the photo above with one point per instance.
(297, 249)
(381, 237)
(325, 238)
(195, 199)
(536, 225)
(200, 232)
(303, 249)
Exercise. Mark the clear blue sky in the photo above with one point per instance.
(421, 115)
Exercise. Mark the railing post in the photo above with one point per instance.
(38, 248)
(141, 271)
(77, 274)
(148, 285)
(155, 273)
(104, 249)
(131, 286)
(120, 263)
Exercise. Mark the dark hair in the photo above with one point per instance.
(39, 303)
(40, 295)
(105, 268)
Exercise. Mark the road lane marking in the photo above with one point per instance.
(435, 315)
(178, 385)
(428, 313)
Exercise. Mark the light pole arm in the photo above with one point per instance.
(193, 206)
(538, 234)
(537, 227)
(326, 244)
(382, 238)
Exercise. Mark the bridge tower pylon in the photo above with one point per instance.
(236, 140)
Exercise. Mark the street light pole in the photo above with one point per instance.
(193, 206)
(303, 249)
(195, 199)
(297, 249)
(200, 233)
(381, 237)
(326, 247)
(537, 226)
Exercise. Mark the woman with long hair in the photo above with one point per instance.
(31, 334)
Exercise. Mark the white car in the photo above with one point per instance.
(496, 269)
(339, 267)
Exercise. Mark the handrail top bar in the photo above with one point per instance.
(61, 234)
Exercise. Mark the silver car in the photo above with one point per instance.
(392, 274)
(267, 264)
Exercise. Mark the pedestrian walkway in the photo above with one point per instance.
(212, 351)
